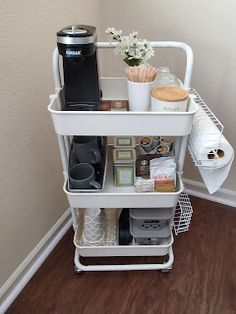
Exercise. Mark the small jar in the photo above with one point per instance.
(170, 99)
(165, 78)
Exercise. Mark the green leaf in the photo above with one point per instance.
(132, 62)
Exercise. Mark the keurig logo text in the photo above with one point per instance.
(73, 53)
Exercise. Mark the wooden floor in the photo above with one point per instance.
(203, 279)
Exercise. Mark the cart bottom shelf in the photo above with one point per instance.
(110, 246)
(165, 267)
(124, 250)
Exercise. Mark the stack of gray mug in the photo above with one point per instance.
(82, 174)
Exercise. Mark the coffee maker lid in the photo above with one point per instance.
(77, 34)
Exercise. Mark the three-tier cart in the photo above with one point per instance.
(110, 123)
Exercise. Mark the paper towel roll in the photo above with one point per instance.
(214, 178)
(204, 129)
(215, 154)
(211, 150)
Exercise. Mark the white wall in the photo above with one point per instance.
(208, 27)
(31, 192)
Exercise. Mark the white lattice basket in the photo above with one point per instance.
(183, 214)
(110, 229)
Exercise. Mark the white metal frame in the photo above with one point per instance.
(181, 146)
(81, 267)
(155, 44)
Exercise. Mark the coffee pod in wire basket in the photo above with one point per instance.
(156, 141)
(94, 226)
(167, 140)
(146, 143)
(163, 150)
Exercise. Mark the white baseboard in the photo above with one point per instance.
(21, 276)
(223, 196)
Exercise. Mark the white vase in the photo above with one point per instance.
(139, 96)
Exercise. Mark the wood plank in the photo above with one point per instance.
(203, 279)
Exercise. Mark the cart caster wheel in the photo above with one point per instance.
(166, 270)
(77, 270)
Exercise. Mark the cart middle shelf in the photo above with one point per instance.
(112, 196)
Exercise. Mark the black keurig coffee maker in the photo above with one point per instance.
(77, 46)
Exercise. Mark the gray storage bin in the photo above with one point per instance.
(151, 225)
(160, 229)
(152, 241)
(151, 213)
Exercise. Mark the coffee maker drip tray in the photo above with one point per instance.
(92, 106)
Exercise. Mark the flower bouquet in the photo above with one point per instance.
(134, 51)
(140, 75)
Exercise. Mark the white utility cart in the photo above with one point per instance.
(102, 123)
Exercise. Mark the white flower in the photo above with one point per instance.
(133, 37)
(109, 30)
(131, 47)
(113, 33)
(134, 34)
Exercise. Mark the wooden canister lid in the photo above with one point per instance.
(171, 93)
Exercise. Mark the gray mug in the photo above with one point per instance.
(82, 176)
(86, 149)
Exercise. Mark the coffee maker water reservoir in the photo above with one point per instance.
(77, 46)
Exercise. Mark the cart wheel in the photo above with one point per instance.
(77, 270)
(166, 270)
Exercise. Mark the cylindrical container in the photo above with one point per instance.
(168, 140)
(165, 79)
(146, 143)
(139, 96)
(170, 99)
(93, 232)
(163, 150)
(156, 141)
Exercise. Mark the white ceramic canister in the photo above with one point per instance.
(170, 99)
(139, 96)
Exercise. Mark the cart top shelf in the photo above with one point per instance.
(119, 123)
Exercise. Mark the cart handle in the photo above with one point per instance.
(155, 44)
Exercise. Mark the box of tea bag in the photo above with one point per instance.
(124, 166)
(124, 142)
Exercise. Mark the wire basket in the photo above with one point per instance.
(94, 231)
(201, 131)
(110, 228)
(183, 214)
